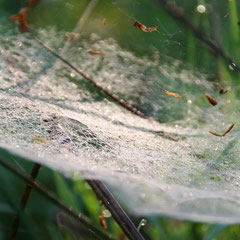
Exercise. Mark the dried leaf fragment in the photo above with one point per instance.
(144, 28)
(222, 135)
(150, 29)
(21, 18)
(39, 139)
(102, 220)
(211, 100)
(173, 94)
(228, 130)
(91, 52)
(216, 134)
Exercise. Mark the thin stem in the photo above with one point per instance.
(51, 196)
(24, 199)
(79, 26)
(85, 15)
(120, 101)
(116, 210)
(177, 13)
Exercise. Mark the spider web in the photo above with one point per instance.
(175, 167)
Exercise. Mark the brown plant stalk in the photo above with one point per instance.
(24, 199)
(114, 97)
(104, 194)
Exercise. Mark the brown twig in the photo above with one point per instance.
(116, 210)
(177, 13)
(52, 197)
(120, 101)
(24, 199)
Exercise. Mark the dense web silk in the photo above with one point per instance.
(174, 168)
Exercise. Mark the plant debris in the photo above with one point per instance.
(144, 28)
(102, 220)
(222, 135)
(91, 52)
(211, 100)
(21, 17)
(39, 139)
(173, 94)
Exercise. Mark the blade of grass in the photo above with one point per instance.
(192, 45)
(24, 199)
(216, 29)
(217, 229)
(88, 199)
(64, 193)
(78, 28)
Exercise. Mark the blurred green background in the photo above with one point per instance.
(219, 20)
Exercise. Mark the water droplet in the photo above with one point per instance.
(142, 223)
(201, 8)
(198, 81)
(72, 75)
(107, 213)
(189, 101)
